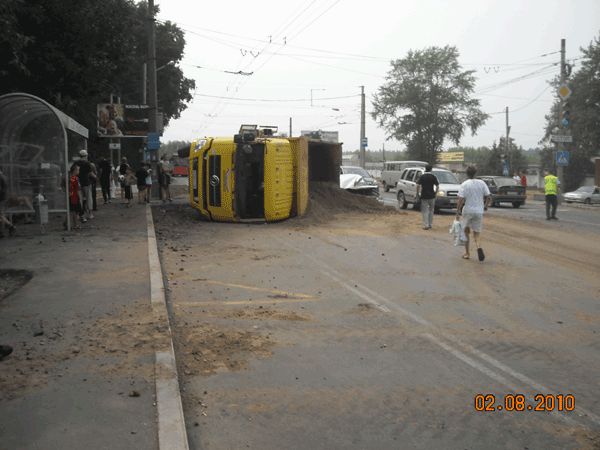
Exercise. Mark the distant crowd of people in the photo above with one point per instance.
(84, 176)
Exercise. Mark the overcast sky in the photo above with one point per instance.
(329, 48)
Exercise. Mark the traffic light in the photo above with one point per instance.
(565, 115)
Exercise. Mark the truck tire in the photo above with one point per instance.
(587, 201)
(517, 204)
(402, 203)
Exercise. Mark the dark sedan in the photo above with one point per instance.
(505, 190)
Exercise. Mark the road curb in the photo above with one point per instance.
(171, 422)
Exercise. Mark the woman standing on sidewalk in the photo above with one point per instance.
(74, 200)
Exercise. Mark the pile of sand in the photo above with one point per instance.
(328, 199)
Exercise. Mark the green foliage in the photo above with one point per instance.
(74, 54)
(426, 99)
(584, 105)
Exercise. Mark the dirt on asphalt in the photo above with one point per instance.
(120, 343)
(12, 280)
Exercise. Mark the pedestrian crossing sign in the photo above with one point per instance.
(562, 158)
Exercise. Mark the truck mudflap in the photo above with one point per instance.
(279, 180)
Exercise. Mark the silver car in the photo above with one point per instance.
(585, 194)
(358, 180)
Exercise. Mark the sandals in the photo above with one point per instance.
(480, 254)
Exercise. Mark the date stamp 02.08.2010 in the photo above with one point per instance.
(522, 402)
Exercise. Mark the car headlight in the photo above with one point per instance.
(441, 194)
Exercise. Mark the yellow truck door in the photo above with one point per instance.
(279, 179)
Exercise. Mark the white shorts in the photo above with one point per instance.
(473, 221)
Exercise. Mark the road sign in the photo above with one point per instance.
(561, 138)
(562, 158)
(365, 142)
(451, 157)
(564, 91)
(153, 141)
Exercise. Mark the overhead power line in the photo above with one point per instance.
(274, 99)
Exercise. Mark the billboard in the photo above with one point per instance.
(328, 136)
(121, 120)
(445, 157)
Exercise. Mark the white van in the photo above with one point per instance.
(393, 169)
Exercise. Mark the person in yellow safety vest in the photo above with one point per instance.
(551, 185)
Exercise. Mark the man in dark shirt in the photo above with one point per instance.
(86, 172)
(427, 187)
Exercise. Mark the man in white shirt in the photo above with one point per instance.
(473, 199)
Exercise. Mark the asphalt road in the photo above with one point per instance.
(366, 332)
(570, 215)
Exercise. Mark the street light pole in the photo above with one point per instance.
(559, 169)
(362, 127)
(152, 88)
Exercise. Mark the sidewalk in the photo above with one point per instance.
(88, 380)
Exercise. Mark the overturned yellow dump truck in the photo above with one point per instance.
(256, 176)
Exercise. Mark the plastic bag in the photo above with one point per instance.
(457, 232)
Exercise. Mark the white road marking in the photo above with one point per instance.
(368, 295)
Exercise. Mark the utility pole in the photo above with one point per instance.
(144, 82)
(507, 144)
(153, 97)
(362, 127)
(563, 76)
(290, 127)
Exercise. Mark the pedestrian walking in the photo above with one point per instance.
(427, 187)
(148, 183)
(93, 185)
(551, 187)
(85, 169)
(524, 179)
(105, 174)
(165, 172)
(122, 172)
(3, 202)
(129, 181)
(74, 196)
(473, 200)
(141, 175)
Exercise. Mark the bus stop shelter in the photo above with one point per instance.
(36, 140)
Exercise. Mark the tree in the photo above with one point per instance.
(74, 54)
(584, 106)
(426, 99)
(499, 156)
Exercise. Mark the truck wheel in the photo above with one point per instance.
(386, 187)
(516, 204)
(402, 200)
(588, 201)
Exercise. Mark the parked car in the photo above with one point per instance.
(505, 190)
(406, 189)
(393, 169)
(585, 194)
(358, 180)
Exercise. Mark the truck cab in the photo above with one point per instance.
(252, 176)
